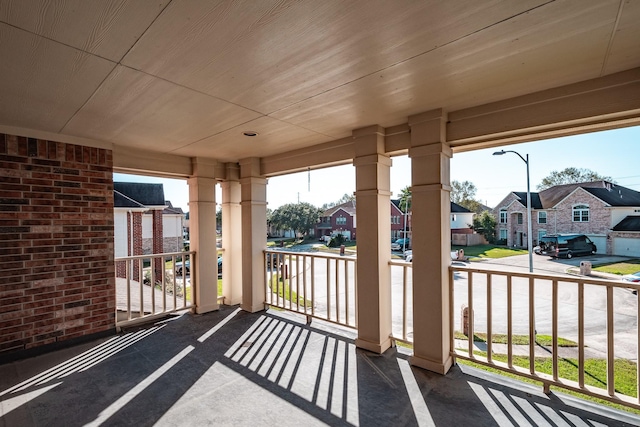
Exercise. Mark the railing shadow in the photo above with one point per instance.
(235, 368)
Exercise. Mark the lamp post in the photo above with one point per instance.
(529, 236)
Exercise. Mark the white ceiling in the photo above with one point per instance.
(187, 77)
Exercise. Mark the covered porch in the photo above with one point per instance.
(230, 94)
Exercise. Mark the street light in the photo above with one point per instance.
(529, 236)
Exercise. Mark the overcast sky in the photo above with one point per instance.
(614, 153)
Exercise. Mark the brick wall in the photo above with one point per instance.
(599, 216)
(57, 277)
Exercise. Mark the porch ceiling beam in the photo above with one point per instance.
(598, 104)
(334, 153)
(141, 162)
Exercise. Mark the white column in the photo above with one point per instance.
(202, 224)
(373, 214)
(253, 189)
(431, 240)
(231, 236)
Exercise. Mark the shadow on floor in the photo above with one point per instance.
(234, 368)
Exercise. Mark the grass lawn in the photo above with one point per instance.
(622, 268)
(489, 251)
(283, 290)
(545, 340)
(219, 290)
(595, 374)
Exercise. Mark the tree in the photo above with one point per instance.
(345, 198)
(405, 199)
(299, 217)
(485, 224)
(464, 193)
(571, 175)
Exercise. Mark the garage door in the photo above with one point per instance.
(626, 246)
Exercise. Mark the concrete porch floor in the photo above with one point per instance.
(234, 368)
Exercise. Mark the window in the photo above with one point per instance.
(542, 217)
(580, 213)
(519, 218)
(503, 234)
(341, 220)
(503, 216)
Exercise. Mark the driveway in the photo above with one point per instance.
(545, 264)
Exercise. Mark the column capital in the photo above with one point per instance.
(371, 159)
(206, 168)
(369, 130)
(232, 171)
(368, 141)
(427, 116)
(250, 167)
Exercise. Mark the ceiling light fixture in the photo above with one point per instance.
(250, 133)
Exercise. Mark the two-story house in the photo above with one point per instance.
(342, 219)
(608, 213)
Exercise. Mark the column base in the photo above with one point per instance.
(373, 346)
(437, 367)
(254, 309)
(236, 301)
(206, 308)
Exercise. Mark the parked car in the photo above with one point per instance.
(186, 265)
(401, 244)
(408, 255)
(634, 277)
(566, 245)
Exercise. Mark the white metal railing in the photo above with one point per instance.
(318, 286)
(402, 301)
(149, 286)
(600, 316)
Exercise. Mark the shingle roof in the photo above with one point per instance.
(349, 207)
(122, 201)
(536, 203)
(630, 223)
(459, 209)
(616, 195)
(170, 209)
(134, 194)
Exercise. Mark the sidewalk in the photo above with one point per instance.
(540, 351)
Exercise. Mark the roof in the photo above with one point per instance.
(535, 199)
(170, 209)
(612, 194)
(616, 195)
(349, 207)
(554, 195)
(138, 195)
(456, 208)
(630, 223)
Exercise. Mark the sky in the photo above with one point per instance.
(614, 153)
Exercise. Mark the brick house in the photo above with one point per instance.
(608, 213)
(342, 219)
(338, 219)
(144, 223)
